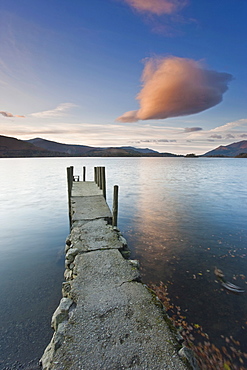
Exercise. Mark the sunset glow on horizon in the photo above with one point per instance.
(169, 75)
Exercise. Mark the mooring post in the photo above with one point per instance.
(103, 181)
(95, 174)
(71, 176)
(69, 182)
(115, 206)
(84, 173)
(100, 178)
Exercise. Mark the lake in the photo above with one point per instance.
(180, 216)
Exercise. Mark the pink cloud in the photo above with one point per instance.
(157, 7)
(175, 87)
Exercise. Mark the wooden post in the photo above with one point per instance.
(100, 178)
(69, 184)
(71, 176)
(95, 175)
(69, 181)
(115, 206)
(84, 173)
(103, 181)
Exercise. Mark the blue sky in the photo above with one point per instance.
(70, 70)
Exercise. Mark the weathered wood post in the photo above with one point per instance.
(70, 171)
(115, 206)
(84, 174)
(71, 177)
(100, 177)
(95, 175)
(70, 183)
(103, 181)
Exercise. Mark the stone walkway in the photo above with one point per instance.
(107, 319)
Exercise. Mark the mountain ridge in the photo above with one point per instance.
(52, 146)
(11, 147)
(231, 150)
(83, 150)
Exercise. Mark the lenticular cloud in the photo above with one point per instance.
(174, 87)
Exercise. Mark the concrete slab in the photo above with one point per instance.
(107, 319)
(93, 235)
(116, 323)
(89, 208)
(85, 188)
(100, 269)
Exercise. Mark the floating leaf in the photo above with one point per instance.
(226, 367)
(207, 354)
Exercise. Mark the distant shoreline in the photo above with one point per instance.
(11, 147)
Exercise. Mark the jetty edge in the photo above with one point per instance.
(107, 318)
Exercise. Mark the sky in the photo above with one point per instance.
(169, 75)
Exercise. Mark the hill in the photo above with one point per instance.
(231, 150)
(140, 150)
(83, 150)
(54, 146)
(88, 151)
(11, 147)
(112, 152)
(242, 155)
(38, 147)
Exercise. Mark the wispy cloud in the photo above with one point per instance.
(158, 7)
(60, 110)
(231, 125)
(175, 87)
(153, 135)
(93, 134)
(215, 136)
(8, 115)
(157, 141)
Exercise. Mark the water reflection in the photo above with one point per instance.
(184, 227)
(181, 217)
(33, 230)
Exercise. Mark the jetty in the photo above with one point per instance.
(107, 319)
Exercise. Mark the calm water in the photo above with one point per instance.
(181, 217)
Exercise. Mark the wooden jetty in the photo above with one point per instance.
(107, 319)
